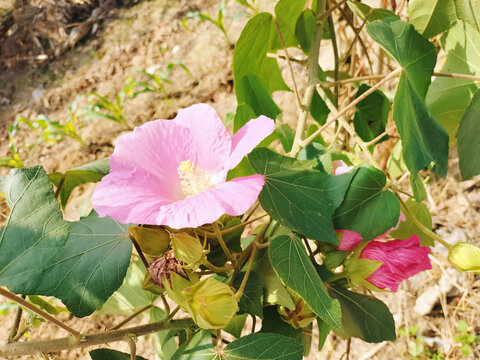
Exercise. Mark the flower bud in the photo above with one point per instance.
(188, 249)
(301, 317)
(465, 257)
(334, 259)
(211, 303)
(152, 241)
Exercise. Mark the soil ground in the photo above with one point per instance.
(151, 35)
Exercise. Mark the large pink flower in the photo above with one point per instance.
(401, 260)
(173, 172)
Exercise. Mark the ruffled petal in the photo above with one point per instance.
(210, 139)
(157, 147)
(130, 197)
(249, 136)
(234, 197)
(349, 241)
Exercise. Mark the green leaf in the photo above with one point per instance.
(447, 98)
(415, 54)
(423, 140)
(35, 231)
(468, 139)
(43, 304)
(251, 301)
(164, 340)
(264, 347)
(323, 331)
(236, 325)
(300, 199)
(89, 268)
(433, 17)
(363, 11)
(198, 347)
(318, 109)
(130, 297)
(286, 136)
(287, 13)
(372, 114)
(364, 317)
(396, 166)
(249, 57)
(107, 354)
(407, 228)
(273, 323)
(275, 292)
(252, 92)
(305, 29)
(91, 172)
(292, 264)
(243, 115)
(418, 188)
(368, 208)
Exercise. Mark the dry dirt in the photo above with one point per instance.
(151, 34)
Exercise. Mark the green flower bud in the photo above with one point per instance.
(465, 257)
(211, 303)
(152, 241)
(334, 259)
(188, 249)
(301, 317)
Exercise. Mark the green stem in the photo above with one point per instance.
(131, 317)
(420, 225)
(218, 233)
(240, 290)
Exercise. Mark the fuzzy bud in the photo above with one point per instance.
(465, 257)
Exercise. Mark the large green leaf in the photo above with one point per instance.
(407, 228)
(368, 208)
(447, 98)
(423, 140)
(252, 92)
(372, 114)
(415, 54)
(305, 29)
(292, 264)
(91, 172)
(264, 347)
(302, 200)
(364, 317)
(249, 58)
(130, 297)
(89, 268)
(469, 139)
(108, 354)
(287, 13)
(35, 231)
(435, 16)
(251, 301)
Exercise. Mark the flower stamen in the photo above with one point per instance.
(193, 179)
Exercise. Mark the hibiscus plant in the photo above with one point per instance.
(200, 231)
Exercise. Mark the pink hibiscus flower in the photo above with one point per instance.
(173, 172)
(401, 260)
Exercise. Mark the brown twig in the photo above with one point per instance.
(38, 311)
(131, 317)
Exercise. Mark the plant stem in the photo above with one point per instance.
(287, 57)
(165, 304)
(139, 250)
(73, 342)
(420, 225)
(38, 311)
(458, 76)
(131, 317)
(133, 348)
(312, 78)
(16, 322)
(387, 78)
(226, 231)
(59, 187)
(331, 28)
(218, 233)
(240, 290)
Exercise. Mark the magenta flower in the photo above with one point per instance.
(173, 172)
(401, 260)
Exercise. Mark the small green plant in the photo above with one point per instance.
(13, 161)
(465, 337)
(218, 22)
(417, 348)
(157, 79)
(101, 107)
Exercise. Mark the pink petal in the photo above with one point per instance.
(130, 197)
(157, 147)
(248, 137)
(339, 167)
(210, 139)
(349, 241)
(234, 197)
